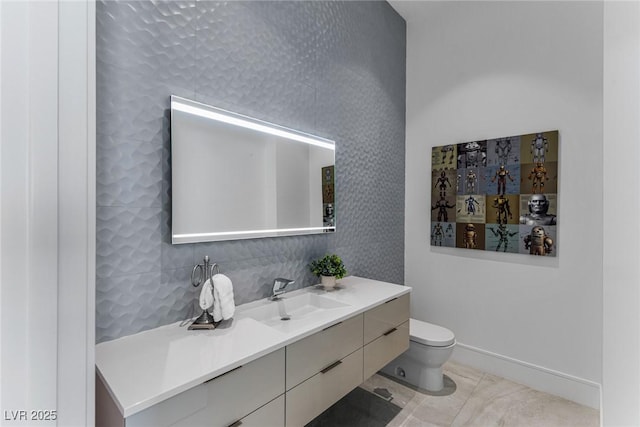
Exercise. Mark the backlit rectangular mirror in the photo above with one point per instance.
(236, 177)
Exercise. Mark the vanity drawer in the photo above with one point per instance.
(308, 356)
(222, 400)
(315, 395)
(384, 349)
(270, 415)
(381, 319)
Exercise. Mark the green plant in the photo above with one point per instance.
(329, 265)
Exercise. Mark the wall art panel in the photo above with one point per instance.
(497, 195)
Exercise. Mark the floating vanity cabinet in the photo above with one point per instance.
(224, 400)
(322, 368)
(386, 334)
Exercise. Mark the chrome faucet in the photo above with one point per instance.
(278, 287)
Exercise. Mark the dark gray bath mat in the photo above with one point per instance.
(359, 408)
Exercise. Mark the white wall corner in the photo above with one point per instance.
(77, 158)
(621, 294)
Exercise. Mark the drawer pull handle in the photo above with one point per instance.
(390, 331)
(330, 367)
(236, 424)
(391, 300)
(329, 327)
(222, 375)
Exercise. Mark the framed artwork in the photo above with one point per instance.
(328, 197)
(497, 195)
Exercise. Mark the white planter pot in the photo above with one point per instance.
(328, 282)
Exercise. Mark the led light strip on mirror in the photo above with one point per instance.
(218, 114)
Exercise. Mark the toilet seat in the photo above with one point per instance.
(429, 334)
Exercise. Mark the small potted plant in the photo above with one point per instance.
(329, 268)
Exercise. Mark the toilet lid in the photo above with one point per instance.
(429, 334)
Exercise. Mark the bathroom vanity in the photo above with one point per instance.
(258, 369)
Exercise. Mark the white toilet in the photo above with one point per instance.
(429, 348)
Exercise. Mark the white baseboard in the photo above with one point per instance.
(579, 390)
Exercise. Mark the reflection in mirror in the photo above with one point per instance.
(235, 177)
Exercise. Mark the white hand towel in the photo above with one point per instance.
(223, 304)
(206, 295)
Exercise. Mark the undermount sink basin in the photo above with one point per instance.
(292, 311)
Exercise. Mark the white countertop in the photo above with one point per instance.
(144, 369)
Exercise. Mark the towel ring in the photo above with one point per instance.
(205, 271)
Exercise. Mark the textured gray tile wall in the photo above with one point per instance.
(336, 69)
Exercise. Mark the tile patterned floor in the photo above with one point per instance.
(474, 399)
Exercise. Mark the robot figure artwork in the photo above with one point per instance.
(538, 242)
(442, 183)
(495, 193)
(503, 209)
(503, 149)
(470, 237)
(328, 219)
(473, 156)
(502, 174)
(503, 236)
(538, 176)
(471, 203)
(442, 205)
(449, 231)
(447, 149)
(437, 234)
(538, 208)
(472, 178)
(539, 147)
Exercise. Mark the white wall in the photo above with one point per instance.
(478, 70)
(621, 296)
(29, 209)
(47, 214)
